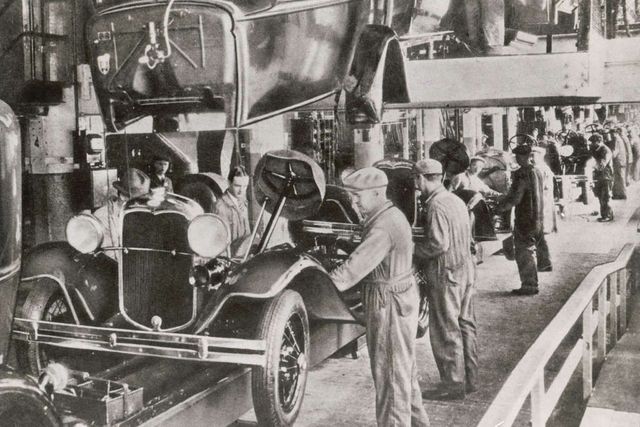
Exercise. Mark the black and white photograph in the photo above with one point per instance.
(320, 213)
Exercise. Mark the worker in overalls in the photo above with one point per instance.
(383, 261)
(444, 256)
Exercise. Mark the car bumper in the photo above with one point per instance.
(142, 343)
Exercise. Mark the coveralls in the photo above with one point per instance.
(236, 214)
(628, 156)
(603, 177)
(550, 224)
(634, 138)
(527, 196)
(619, 168)
(391, 300)
(445, 258)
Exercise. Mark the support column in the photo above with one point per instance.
(498, 134)
(472, 130)
(431, 129)
(512, 125)
(368, 146)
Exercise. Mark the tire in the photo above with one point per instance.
(277, 398)
(45, 301)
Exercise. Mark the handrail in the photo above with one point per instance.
(525, 379)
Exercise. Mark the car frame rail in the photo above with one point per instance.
(142, 343)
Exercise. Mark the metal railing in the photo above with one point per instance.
(607, 286)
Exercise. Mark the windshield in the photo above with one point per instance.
(247, 6)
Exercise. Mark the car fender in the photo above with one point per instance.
(269, 273)
(90, 280)
(377, 75)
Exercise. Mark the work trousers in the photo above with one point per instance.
(602, 190)
(531, 252)
(485, 22)
(452, 328)
(392, 323)
(619, 173)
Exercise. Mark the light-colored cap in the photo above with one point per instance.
(134, 183)
(428, 167)
(477, 159)
(365, 179)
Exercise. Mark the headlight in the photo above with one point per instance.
(85, 233)
(208, 235)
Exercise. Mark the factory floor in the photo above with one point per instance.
(340, 391)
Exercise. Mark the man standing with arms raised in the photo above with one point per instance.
(444, 255)
(383, 261)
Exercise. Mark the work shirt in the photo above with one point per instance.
(385, 253)
(468, 181)
(447, 242)
(527, 196)
(235, 212)
(164, 182)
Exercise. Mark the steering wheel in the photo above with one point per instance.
(521, 139)
(593, 128)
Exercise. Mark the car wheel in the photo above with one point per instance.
(20, 408)
(278, 387)
(423, 312)
(43, 302)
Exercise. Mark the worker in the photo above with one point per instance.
(634, 138)
(619, 164)
(470, 179)
(134, 183)
(444, 257)
(550, 224)
(383, 261)
(628, 157)
(159, 178)
(526, 195)
(233, 208)
(602, 175)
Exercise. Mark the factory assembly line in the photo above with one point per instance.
(170, 325)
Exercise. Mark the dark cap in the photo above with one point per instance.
(596, 137)
(522, 149)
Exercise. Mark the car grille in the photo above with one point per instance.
(156, 283)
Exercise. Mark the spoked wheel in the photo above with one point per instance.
(44, 302)
(423, 312)
(278, 388)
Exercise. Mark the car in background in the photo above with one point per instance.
(247, 59)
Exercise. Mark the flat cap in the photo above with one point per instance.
(477, 159)
(365, 179)
(596, 137)
(522, 149)
(428, 167)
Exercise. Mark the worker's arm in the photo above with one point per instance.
(369, 253)
(516, 192)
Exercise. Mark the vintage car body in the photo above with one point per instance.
(22, 402)
(248, 59)
(159, 294)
